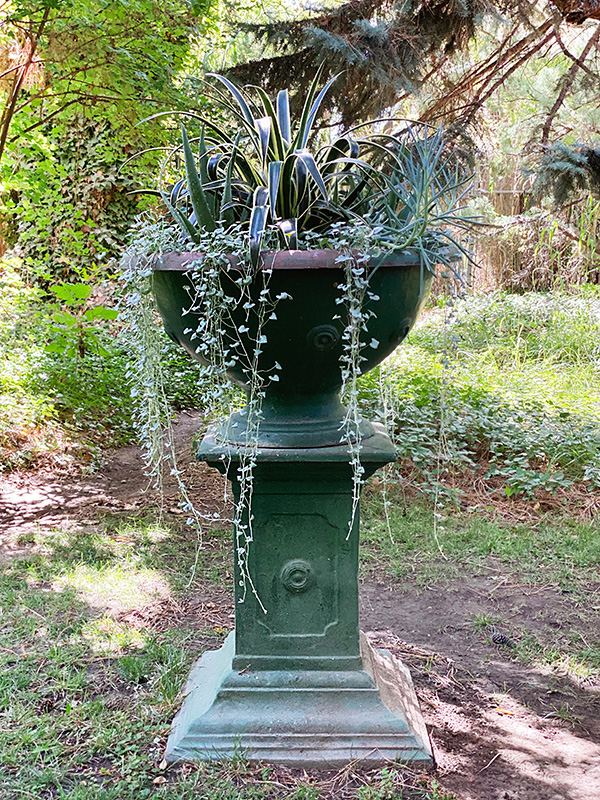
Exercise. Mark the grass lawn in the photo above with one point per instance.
(98, 631)
(103, 617)
(488, 528)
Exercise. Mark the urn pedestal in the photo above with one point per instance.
(296, 683)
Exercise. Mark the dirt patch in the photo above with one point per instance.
(501, 730)
(33, 500)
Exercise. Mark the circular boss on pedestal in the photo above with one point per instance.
(296, 575)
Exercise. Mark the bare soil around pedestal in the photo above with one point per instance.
(109, 599)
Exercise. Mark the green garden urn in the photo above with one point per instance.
(297, 683)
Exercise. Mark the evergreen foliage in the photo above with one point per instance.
(392, 50)
(382, 46)
(566, 171)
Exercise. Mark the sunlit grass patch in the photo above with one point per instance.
(151, 532)
(533, 326)
(559, 549)
(63, 703)
(136, 531)
(115, 564)
(118, 588)
(553, 385)
(504, 391)
(106, 635)
(566, 658)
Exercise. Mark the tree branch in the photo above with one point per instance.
(507, 58)
(20, 66)
(9, 110)
(570, 55)
(577, 11)
(567, 82)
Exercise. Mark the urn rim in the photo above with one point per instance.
(182, 261)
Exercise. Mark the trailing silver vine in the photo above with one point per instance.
(222, 344)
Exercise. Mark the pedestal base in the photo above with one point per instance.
(302, 718)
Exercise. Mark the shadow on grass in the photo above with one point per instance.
(97, 636)
(95, 645)
(86, 699)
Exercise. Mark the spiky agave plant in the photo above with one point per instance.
(265, 177)
(425, 186)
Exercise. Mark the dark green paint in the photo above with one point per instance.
(295, 684)
(290, 686)
(302, 506)
(303, 408)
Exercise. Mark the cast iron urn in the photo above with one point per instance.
(296, 682)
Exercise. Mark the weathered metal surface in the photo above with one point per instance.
(302, 408)
(293, 684)
(294, 421)
(319, 719)
(282, 259)
(301, 507)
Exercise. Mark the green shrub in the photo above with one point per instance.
(506, 386)
(63, 374)
(73, 207)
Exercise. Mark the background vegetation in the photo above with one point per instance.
(493, 399)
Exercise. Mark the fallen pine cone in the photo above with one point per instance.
(502, 639)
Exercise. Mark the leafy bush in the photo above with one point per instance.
(505, 389)
(63, 384)
(540, 327)
(72, 207)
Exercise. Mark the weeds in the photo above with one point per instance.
(57, 405)
(483, 622)
(519, 382)
(560, 550)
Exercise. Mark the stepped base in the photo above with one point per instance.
(302, 718)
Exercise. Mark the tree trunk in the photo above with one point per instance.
(577, 11)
